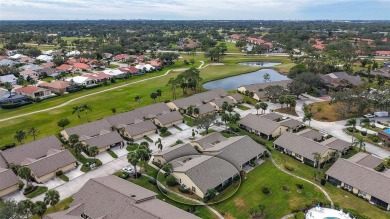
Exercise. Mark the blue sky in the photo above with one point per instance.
(194, 9)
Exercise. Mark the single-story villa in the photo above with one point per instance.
(174, 152)
(337, 144)
(273, 116)
(204, 109)
(357, 174)
(200, 173)
(341, 80)
(168, 119)
(303, 148)
(44, 157)
(311, 134)
(139, 130)
(118, 199)
(105, 141)
(237, 98)
(261, 86)
(208, 141)
(34, 92)
(58, 87)
(8, 182)
(219, 102)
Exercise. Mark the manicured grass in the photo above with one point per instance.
(189, 121)
(242, 107)
(205, 133)
(148, 139)
(113, 66)
(178, 128)
(40, 190)
(165, 134)
(344, 198)
(231, 47)
(112, 153)
(85, 168)
(62, 205)
(70, 39)
(64, 178)
(278, 203)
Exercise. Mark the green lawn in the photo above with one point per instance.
(112, 153)
(62, 205)
(64, 178)
(231, 47)
(242, 107)
(278, 203)
(40, 190)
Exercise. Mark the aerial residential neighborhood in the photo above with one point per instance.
(192, 109)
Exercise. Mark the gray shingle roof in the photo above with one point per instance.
(366, 160)
(362, 178)
(237, 150)
(291, 123)
(7, 179)
(177, 152)
(207, 172)
(199, 99)
(219, 102)
(169, 117)
(336, 144)
(91, 128)
(34, 150)
(237, 97)
(105, 140)
(51, 163)
(300, 145)
(210, 140)
(139, 128)
(311, 134)
(337, 77)
(260, 124)
(123, 119)
(153, 110)
(114, 198)
(272, 116)
(205, 108)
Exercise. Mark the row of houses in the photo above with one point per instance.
(44, 157)
(210, 162)
(118, 199)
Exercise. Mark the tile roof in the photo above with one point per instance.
(300, 145)
(118, 199)
(81, 66)
(140, 128)
(358, 176)
(7, 179)
(64, 67)
(35, 150)
(29, 89)
(210, 140)
(56, 84)
(104, 140)
(259, 124)
(169, 117)
(207, 172)
(51, 163)
(177, 151)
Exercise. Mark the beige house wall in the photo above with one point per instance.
(197, 146)
(64, 134)
(53, 174)
(159, 159)
(158, 123)
(256, 97)
(172, 106)
(241, 89)
(280, 130)
(188, 182)
(9, 190)
(139, 135)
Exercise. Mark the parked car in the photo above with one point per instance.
(128, 169)
(369, 116)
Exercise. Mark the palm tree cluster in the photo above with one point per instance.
(82, 108)
(141, 154)
(21, 135)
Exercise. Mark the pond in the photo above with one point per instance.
(232, 83)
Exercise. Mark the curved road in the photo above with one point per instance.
(87, 95)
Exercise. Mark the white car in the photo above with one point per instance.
(128, 169)
(369, 116)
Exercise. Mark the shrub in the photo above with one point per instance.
(98, 163)
(266, 154)
(183, 190)
(374, 138)
(179, 142)
(171, 181)
(350, 129)
(8, 146)
(163, 130)
(299, 186)
(299, 215)
(59, 173)
(288, 167)
(266, 190)
(20, 185)
(145, 143)
(363, 133)
(380, 167)
(285, 188)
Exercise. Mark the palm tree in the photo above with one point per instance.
(78, 147)
(86, 108)
(159, 144)
(266, 77)
(257, 107)
(159, 93)
(225, 118)
(73, 139)
(190, 110)
(307, 117)
(196, 111)
(20, 135)
(9, 88)
(263, 106)
(33, 132)
(26, 208)
(25, 173)
(78, 110)
(281, 101)
(133, 159)
(365, 122)
(52, 197)
(40, 208)
(359, 142)
(317, 158)
(173, 83)
(225, 105)
(93, 151)
(153, 96)
(144, 155)
(352, 122)
(138, 98)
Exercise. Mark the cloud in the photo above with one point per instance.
(170, 9)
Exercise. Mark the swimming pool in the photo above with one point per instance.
(387, 131)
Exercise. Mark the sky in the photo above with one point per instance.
(195, 9)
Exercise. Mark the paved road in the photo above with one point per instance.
(88, 95)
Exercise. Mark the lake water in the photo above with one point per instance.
(232, 83)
